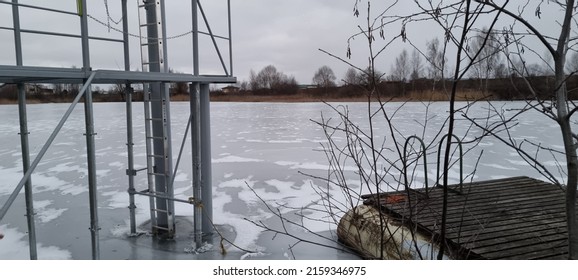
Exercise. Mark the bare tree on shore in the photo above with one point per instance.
(416, 63)
(324, 77)
(401, 67)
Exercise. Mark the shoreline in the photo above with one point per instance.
(297, 98)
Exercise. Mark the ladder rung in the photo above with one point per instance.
(156, 174)
(148, 24)
(156, 156)
(147, 4)
(160, 210)
(148, 44)
(148, 63)
(164, 228)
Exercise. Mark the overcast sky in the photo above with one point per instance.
(283, 33)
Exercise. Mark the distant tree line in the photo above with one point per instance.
(270, 81)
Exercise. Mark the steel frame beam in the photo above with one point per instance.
(24, 74)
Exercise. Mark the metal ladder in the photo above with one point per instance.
(157, 146)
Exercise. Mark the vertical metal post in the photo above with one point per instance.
(230, 39)
(130, 151)
(160, 110)
(163, 42)
(90, 145)
(195, 16)
(156, 110)
(26, 165)
(167, 96)
(129, 127)
(125, 37)
(24, 136)
(206, 177)
(84, 37)
(195, 103)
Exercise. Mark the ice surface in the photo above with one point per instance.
(182, 177)
(265, 146)
(14, 246)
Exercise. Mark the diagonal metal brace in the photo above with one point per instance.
(42, 152)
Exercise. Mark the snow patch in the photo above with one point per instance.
(280, 185)
(497, 166)
(253, 255)
(234, 159)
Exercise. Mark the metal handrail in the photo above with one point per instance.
(461, 159)
(405, 161)
(44, 149)
(39, 8)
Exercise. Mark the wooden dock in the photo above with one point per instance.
(512, 218)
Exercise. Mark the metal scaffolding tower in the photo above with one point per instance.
(155, 76)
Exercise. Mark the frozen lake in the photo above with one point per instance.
(267, 146)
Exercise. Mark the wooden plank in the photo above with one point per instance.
(513, 235)
(504, 249)
(563, 256)
(502, 226)
(540, 253)
(483, 194)
(431, 220)
(490, 209)
(543, 250)
(456, 202)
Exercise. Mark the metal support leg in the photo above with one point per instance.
(130, 151)
(25, 166)
(24, 135)
(90, 147)
(206, 178)
(197, 172)
(91, 162)
(129, 132)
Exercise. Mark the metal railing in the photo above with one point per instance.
(424, 162)
(461, 159)
(423, 148)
